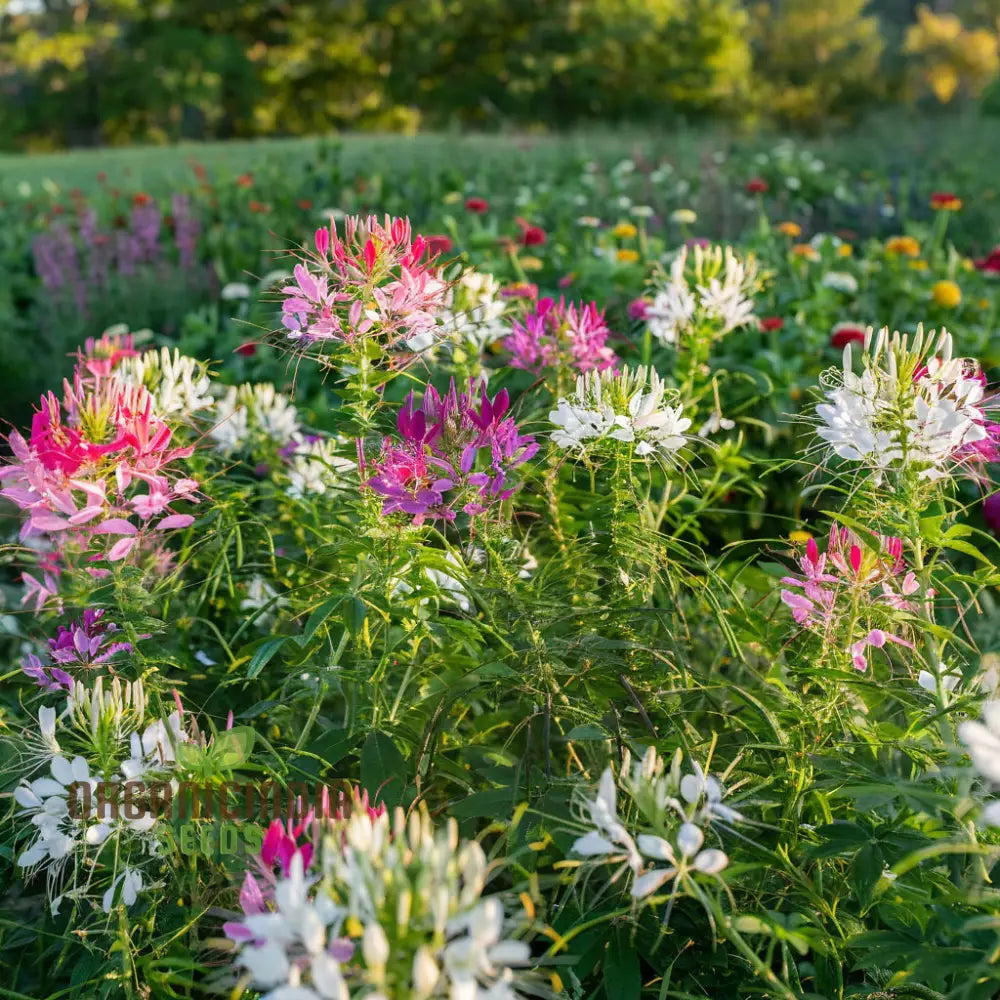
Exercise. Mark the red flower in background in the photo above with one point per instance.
(305, 204)
(945, 201)
(769, 323)
(247, 350)
(991, 262)
(244, 180)
(757, 185)
(259, 207)
(438, 244)
(141, 198)
(531, 236)
(480, 206)
(847, 333)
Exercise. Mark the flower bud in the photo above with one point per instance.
(425, 973)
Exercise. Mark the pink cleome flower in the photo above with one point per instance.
(851, 576)
(377, 281)
(560, 334)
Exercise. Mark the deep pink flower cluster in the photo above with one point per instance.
(96, 465)
(851, 576)
(378, 281)
(558, 334)
(455, 452)
(85, 643)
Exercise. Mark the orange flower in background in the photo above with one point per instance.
(945, 201)
(141, 198)
(244, 180)
(626, 256)
(845, 250)
(792, 229)
(806, 251)
(259, 207)
(305, 204)
(903, 246)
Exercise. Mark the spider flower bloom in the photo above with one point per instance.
(557, 334)
(455, 452)
(628, 407)
(376, 282)
(708, 289)
(92, 462)
(851, 580)
(914, 408)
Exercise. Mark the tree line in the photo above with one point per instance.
(90, 72)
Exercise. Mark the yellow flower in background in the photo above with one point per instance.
(805, 251)
(684, 216)
(904, 246)
(968, 264)
(531, 263)
(624, 231)
(792, 229)
(452, 197)
(845, 250)
(799, 536)
(918, 265)
(946, 294)
(984, 303)
(626, 256)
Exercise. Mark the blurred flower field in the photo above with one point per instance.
(570, 575)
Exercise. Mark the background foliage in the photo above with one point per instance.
(117, 71)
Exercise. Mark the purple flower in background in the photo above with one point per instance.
(49, 679)
(454, 453)
(561, 333)
(187, 229)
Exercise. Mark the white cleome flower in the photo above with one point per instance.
(710, 287)
(913, 407)
(982, 740)
(250, 412)
(314, 467)
(178, 384)
(627, 406)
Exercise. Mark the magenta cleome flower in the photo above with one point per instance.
(556, 335)
(455, 452)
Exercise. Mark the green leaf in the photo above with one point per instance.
(622, 980)
(383, 770)
(354, 615)
(263, 655)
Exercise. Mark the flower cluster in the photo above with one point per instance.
(81, 811)
(387, 906)
(87, 643)
(628, 406)
(855, 585)
(561, 335)
(179, 385)
(673, 811)
(377, 282)
(914, 409)
(253, 414)
(709, 291)
(455, 452)
(98, 463)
